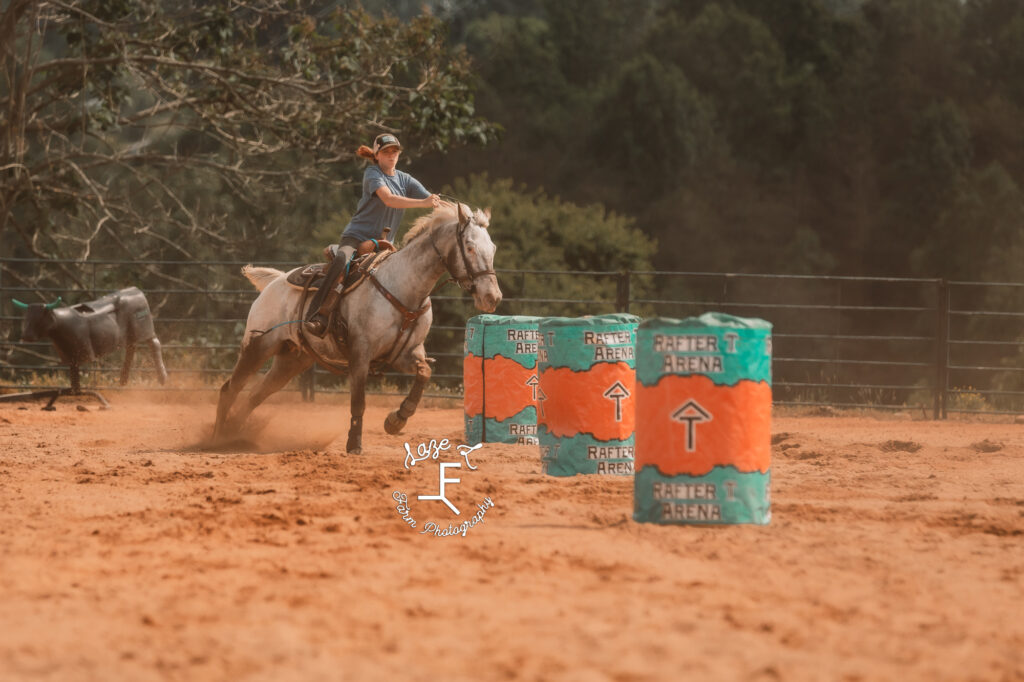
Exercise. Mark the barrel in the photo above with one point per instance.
(500, 379)
(703, 425)
(585, 399)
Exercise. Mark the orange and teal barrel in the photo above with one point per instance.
(703, 420)
(585, 399)
(500, 379)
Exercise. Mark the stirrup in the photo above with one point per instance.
(316, 325)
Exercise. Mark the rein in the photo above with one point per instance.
(410, 316)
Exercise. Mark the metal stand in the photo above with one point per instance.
(53, 394)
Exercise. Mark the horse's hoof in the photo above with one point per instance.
(354, 446)
(394, 423)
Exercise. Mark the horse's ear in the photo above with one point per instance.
(463, 215)
(483, 217)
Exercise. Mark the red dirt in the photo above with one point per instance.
(127, 551)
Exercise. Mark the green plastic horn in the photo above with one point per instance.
(23, 306)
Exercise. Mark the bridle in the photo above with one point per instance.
(468, 281)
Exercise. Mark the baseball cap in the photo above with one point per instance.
(385, 140)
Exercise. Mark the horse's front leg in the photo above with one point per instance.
(413, 363)
(358, 369)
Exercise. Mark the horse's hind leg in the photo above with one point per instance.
(252, 356)
(287, 364)
(414, 362)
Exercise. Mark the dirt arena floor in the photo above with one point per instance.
(128, 551)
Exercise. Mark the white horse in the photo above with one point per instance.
(388, 319)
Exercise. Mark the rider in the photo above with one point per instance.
(387, 192)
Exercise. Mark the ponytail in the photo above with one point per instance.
(365, 152)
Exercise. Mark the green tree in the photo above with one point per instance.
(700, 231)
(152, 129)
(534, 231)
(844, 134)
(734, 60)
(593, 36)
(925, 179)
(987, 229)
(652, 127)
(519, 73)
(993, 45)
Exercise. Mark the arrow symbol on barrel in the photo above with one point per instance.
(691, 414)
(532, 383)
(617, 392)
(541, 397)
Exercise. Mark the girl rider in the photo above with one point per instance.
(387, 192)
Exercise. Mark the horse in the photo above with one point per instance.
(387, 321)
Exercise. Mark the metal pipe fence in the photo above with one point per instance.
(927, 345)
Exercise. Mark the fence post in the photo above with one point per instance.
(622, 292)
(941, 348)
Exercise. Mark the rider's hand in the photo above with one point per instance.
(434, 200)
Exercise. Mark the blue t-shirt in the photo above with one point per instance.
(372, 216)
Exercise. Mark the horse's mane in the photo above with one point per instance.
(443, 213)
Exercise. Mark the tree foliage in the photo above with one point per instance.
(865, 137)
(862, 137)
(184, 130)
(537, 232)
(649, 109)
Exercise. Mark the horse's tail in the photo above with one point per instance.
(260, 277)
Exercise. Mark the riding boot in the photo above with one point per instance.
(327, 296)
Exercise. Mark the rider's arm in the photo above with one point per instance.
(392, 200)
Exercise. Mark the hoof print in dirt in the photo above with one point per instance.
(987, 446)
(899, 446)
